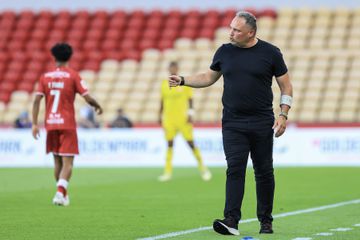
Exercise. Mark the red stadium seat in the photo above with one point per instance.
(268, 12)
(151, 33)
(206, 33)
(38, 56)
(146, 43)
(16, 66)
(136, 23)
(194, 13)
(77, 34)
(20, 34)
(27, 86)
(113, 34)
(116, 55)
(189, 33)
(133, 54)
(229, 13)
(35, 67)
(165, 44)
(8, 15)
(25, 24)
(175, 14)
(169, 34)
(63, 14)
(132, 34)
(251, 10)
(61, 24)
(91, 45)
(92, 65)
(8, 86)
(118, 14)
(117, 23)
(30, 77)
(154, 23)
(95, 34)
(192, 22)
(109, 44)
(210, 22)
(46, 15)
(80, 24)
(7, 25)
(15, 46)
(101, 14)
(156, 13)
(39, 34)
(5, 96)
(99, 24)
(128, 44)
(137, 14)
(82, 14)
(43, 24)
(212, 13)
(33, 45)
(173, 23)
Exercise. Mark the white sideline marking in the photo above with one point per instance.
(302, 238)
(324, 234)
(357, 225)
(340, 229)
(174, 234)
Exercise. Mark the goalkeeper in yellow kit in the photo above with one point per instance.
(176, 116)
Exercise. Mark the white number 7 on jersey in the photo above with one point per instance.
(55, 105)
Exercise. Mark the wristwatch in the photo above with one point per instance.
(284, 114)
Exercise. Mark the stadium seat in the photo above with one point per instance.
(141, 44)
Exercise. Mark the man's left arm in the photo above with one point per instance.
(191, 111)
(285, 103)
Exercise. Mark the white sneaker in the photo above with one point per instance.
(66, 201)
(60, 200)
(165, 177)
(206, 175)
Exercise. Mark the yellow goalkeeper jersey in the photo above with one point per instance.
(175, 102)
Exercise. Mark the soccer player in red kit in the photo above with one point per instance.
(59, 86)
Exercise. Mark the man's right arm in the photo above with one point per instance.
(35, 114)
(92, 102)
(161, 111)
(200, 80)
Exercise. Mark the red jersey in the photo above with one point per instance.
(59, 88)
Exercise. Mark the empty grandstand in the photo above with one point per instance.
(123, 56)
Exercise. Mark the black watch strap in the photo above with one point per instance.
(182, 81)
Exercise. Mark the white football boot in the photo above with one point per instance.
(60, 200)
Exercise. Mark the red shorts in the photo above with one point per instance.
(62, 142)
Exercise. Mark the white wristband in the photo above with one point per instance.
(286, 99)
(191, 112)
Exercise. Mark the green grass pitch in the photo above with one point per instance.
(129, 203)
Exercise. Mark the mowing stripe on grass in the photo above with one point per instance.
(174, 234)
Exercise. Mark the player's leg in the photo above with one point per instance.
(57, 166)
(187, 132)
(53, 146)
(170, 132)
(68, 148)
(261, 155)
(236, 147)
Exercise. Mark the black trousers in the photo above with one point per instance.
(241, 137)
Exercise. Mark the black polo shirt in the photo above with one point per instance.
(248, 74)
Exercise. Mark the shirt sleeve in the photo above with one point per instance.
(80, 85)
(216, 63)
(40, 87)
(280, 67)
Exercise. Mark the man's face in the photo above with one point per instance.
(240, 33)
(173, 69)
